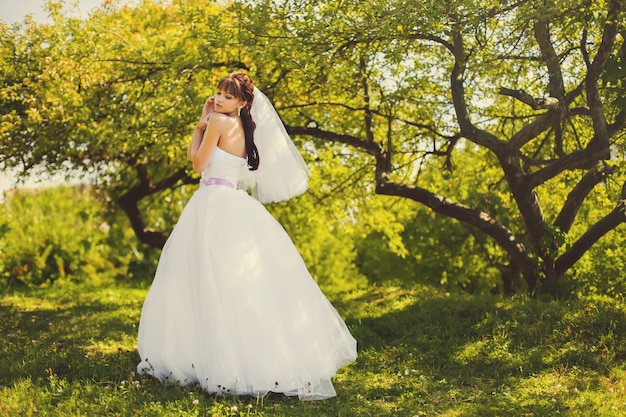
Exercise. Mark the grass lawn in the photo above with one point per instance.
(69, 350)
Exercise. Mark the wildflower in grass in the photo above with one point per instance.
(132, 373)
(9, 335)
(195, 402)
(137, 384)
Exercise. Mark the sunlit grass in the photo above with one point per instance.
(69, 350)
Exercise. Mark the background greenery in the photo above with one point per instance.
(113, 97)
(68, 333)
(391, 98)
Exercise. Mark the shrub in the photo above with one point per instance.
(50, 234)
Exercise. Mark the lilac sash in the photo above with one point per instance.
(215, 181)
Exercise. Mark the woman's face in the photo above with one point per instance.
(227, 103)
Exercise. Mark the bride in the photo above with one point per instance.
(232, 306)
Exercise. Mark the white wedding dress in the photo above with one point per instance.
(233, 307)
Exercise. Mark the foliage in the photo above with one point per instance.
(529, 91)
(331, 233)
(601, 270)
(69, 350)
(122, 88)
(65, 233)
(52, 234)
(400, 99)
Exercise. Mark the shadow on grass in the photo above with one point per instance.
(68, 352)
(77, 337)
(488, 356)
(421, 353)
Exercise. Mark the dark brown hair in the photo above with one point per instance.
(241, 86)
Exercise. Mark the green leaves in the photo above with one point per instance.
(409, 92)
(57, 234)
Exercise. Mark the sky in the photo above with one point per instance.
(12, 11)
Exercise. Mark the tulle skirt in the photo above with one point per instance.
(234, 309)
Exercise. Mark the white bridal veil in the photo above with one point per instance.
(282, 173)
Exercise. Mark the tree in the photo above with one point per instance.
(111, 96)
(521, 94)
(535, 87)
(115, 97)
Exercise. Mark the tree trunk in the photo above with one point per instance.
(129, 202)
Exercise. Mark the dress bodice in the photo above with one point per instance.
(224, 165)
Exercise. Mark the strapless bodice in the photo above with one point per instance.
(225, 166)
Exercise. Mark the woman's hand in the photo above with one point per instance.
(209, 107)
(201, 125)
(199, 130)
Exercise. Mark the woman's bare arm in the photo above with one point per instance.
(215, 128)
(199, 130)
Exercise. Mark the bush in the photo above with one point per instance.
(51, 234)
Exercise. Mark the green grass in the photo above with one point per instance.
(69, 350)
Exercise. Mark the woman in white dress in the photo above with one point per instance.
(232, 306)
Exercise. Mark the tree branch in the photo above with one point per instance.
(534, 103)
(468, 130)
(481, 220)
(592, 235)
(550, 58)
(618, 124)
(575, 198)
(129, 202)
(372, 148)
(456, 83)
(545, 121)
(608, 39)
(601, 138)
(581, 159)
(438, 203)
(532, 130)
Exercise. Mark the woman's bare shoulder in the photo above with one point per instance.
(220, 121)
(220, 117)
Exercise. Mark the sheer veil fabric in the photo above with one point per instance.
(233, 307)
(282, 173)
